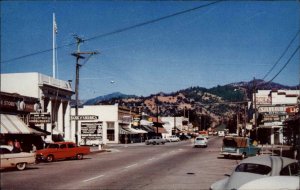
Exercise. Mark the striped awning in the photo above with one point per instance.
(12, 124)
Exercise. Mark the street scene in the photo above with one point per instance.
(174, 165)
(153, 95)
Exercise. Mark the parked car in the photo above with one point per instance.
(62, 150)
(200, 142)
(257, 167)
(173, 138)
(184, 137)
(155, 140)
(20, 160)
(221, 133)
(238, 146)
(273, 183)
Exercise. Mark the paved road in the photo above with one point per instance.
(171, 166)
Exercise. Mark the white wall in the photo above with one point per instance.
(105, 113)
(25, 84)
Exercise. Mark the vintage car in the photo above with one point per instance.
(200, 142)
(172, 138)
(62, 150)
(258, 167)
(19, 160)
(155, 140)
(238, 146)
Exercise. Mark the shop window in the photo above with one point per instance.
(111, 131)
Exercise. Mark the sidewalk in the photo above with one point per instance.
(278, 150)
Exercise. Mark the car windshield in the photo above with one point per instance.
(253, 168)
(199, 139)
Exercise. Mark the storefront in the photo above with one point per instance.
(15, 121)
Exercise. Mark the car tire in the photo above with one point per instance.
(50, 158)
(163, 143)
(154, 143)
(21, 166)
(79, 156)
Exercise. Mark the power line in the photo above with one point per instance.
(284, 52)
(285, 64)
(118, 31)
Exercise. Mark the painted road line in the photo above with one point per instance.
(131, 165)
(93, 178)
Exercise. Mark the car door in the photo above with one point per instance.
(5, 155)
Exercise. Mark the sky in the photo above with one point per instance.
(222, 43)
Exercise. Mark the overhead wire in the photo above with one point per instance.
(285, 64)
(118, 30)
(284, 52)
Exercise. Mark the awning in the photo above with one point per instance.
(160, 129)
(127, 131)
(12, 124)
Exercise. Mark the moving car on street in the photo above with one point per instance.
(173, 138)
(258, 167)
(19, 160)
(155, 140)
(238, 146)
(62, 150)
(200, 142)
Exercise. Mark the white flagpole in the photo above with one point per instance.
(53, 54)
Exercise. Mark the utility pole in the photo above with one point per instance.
(255, 110)
(78, 56)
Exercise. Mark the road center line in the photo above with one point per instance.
(131, 165)
(93, 178)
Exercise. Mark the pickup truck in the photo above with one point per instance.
(62, 150)
(238, 146)
(155, 140)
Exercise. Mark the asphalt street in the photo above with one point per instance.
(175, 165)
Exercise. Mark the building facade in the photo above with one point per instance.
(272, 110)
(53, 97)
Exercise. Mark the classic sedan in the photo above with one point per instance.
(258, 167)
(20, 160)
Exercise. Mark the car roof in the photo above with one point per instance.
(275, 162)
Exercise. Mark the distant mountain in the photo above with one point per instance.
(212, 106)
(115, 95)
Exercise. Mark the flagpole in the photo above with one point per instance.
(53, 53)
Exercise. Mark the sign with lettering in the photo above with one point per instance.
(272, 109)
(39, 118)
(91, 133)
(292, 110)
(84, 117)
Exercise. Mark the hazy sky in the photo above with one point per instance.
(215, 45)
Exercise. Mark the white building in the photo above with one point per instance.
(97, 123)
(173, 123)
(272, 107)
(54, 96)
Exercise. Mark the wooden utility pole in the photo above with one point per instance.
(78, 56)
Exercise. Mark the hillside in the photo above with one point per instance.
(214, 105)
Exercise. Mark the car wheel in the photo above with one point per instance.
(258, 153)
(21, 166)
(154, 143)
(50, 158)
(79, 156)
(163, 143)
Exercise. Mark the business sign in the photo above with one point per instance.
(91, 133)
(292, 110)
(39, 118)
(84, 117)
(272, 109)
(263, 100)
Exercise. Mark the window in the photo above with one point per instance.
(53, 146)
(63, 146)
(111, 131)
(71, 145)
(253, 168)
(4, 151)
(291, 169)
